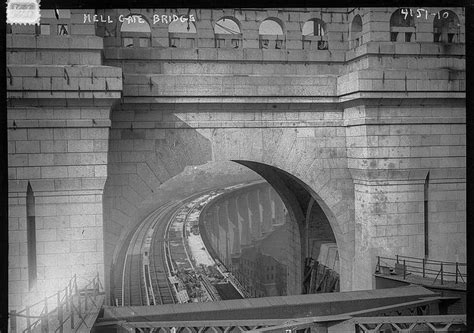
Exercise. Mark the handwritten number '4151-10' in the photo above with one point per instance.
(420, 11)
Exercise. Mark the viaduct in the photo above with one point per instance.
(356, 115)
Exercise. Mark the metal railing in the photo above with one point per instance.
(69, 304)
(442, 271)
(406, 324)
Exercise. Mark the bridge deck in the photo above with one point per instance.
(424, 281)
(298, 306)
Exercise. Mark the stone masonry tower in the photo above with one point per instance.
(361, 109)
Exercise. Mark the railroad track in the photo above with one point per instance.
(136, 289)
(148, 262)
(161, 265)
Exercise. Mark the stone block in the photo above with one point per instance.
(78, 221)
(17, 134)
(100, 171)
(54, 172)
(53, 146)
(84, 246)
(94, 133)
(56, 247)
(46, 235)
(224, 54)
(93, 183)
(40, 134)
(274, 55)
(83, 29)
(40, 159)
(28, 147)
(80, 146)
(80, 171)
(24, 41)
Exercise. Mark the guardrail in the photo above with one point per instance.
(67, 304)
(442, 271)
(406, 324)
(338, 323)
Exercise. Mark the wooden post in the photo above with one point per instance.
(79, 305)
(96, 287)
(60, 313)
(44, 319)
(424, 262)
(13, 321)
(28, 320)
(86, 293)
(66, 298)
(75, 284)
(60, 318)
(397, 259)
(378, 264)
(71, 306)
(457, 272)
(404, 270)
(442, 273)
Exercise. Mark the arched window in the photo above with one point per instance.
(182, 34)
(31, 236)
(314, 27)
(402, 25)
(271, 34)
(227, 33)
(446, 27)
(314, 35)
(356, 31)
(135, 31)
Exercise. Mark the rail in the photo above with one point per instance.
(66, 306)
(442, 271)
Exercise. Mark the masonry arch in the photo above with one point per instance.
(298, 198)
(135, 31)
(402, 26)
(144, 160)
(356, 31)
(182, 33)
(314, 27)
(271, 34)
(227, 33)
(314, 35)
(446, 27)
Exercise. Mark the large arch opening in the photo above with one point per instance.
(151, 166)
(310, 213)
(298, 246)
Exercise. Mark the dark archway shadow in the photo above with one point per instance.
(304, 206)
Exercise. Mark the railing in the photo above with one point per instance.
(338, 323)
(67, 304)
(406, 324)
(233, 278)
(442, 271)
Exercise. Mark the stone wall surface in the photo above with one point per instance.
(99, 129)
(59, 99)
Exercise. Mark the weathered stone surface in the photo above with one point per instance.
(360, 127)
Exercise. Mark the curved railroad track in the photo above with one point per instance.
(148, 261)
(136, 286)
